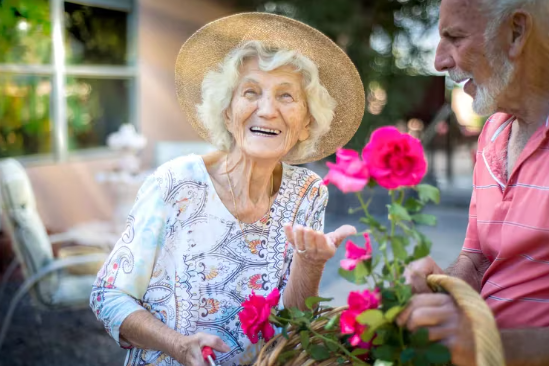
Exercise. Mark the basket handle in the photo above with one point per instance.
(489, 349)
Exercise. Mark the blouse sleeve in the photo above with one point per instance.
(124, 277)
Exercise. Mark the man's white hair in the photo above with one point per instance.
(499, 10)
(218, 86)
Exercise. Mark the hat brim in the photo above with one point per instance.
(207, 48)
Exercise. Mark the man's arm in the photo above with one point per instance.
(470, 267)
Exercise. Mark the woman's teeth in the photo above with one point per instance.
(265, 131)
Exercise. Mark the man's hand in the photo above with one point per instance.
(446, 323)
(416, 274)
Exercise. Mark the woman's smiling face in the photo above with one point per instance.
(268, 113)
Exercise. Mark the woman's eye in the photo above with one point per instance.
(287, 96)
(250, 92)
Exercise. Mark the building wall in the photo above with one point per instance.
(67, 193)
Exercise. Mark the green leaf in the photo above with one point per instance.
(386, 353)
(304, 336)
(378, 341)
(423, 247)
(420, 359)
(331, 345)
(341, 361)
(359, 351)
(285, 331)
(438, 353)
(368, 334)
(373, 317)
(420, 338)
(332, 322)
(287, 356)
(413, 205)
(407, 355)
(351, 277)
(428, 193)
(398, 212)
(372, 222)
(398, 244)
(404, 293)
(312, 301)
(318, 352)
(392, 313)
(296, 313)
(424, 219)
(361, 270)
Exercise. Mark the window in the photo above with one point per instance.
(67, 74)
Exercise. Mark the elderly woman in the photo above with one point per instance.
(206, 231)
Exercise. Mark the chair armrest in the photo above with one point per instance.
(60, 264)
(61, 238)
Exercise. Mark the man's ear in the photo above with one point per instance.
(521, 27)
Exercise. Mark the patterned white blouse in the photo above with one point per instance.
(184, 258)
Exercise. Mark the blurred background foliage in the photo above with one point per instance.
(389, 41)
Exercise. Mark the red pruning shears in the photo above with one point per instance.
(209, 355)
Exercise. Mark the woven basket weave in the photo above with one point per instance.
(489, 350)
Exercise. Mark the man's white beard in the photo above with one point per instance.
(485, 101)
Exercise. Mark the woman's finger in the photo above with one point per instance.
(311, 244)
(341, 233)
(289, 234)
(299, 239)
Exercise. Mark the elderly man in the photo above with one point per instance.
(501, 48)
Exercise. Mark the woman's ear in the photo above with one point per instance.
(227, 119)
(306, 130)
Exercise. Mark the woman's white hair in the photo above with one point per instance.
(218, 86)
(499, 10)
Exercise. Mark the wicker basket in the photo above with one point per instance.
(489, 350)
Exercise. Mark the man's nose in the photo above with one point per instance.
(443, 59)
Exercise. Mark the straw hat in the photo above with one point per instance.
(207, 48)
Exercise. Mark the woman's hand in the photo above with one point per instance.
(315, 246)
(188, 350)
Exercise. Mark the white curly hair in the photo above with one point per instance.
(218, 86)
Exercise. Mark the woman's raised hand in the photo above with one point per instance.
(188, 350)
(315, 246)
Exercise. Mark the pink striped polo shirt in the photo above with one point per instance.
(509, 224)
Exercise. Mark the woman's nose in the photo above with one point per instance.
(266, 107)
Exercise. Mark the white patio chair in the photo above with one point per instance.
(46, 278)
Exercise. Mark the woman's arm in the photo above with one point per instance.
(141, 329)
(312, 249)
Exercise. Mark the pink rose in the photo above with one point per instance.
(355, 254)
(254, 316)
(349, 173)
(394, 159)
(358, 303)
